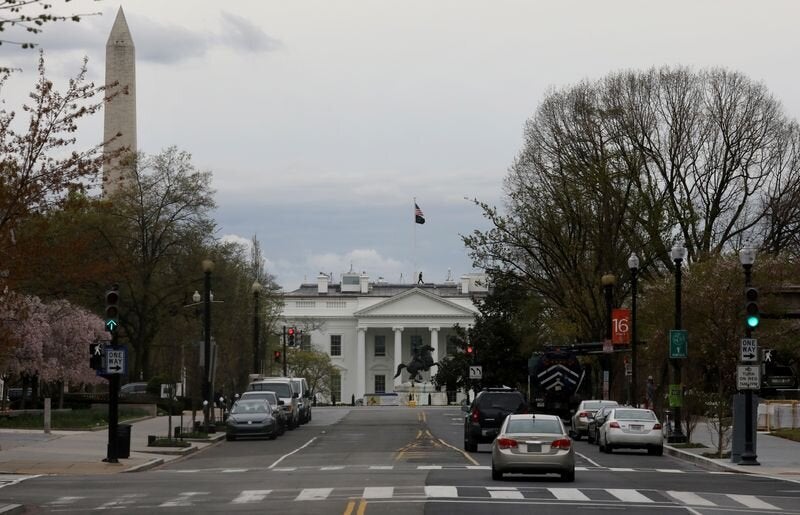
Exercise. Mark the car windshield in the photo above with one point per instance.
(634, 414)
(500, 401)
(280, 389)
(595, 405)
(533, 425)
(249, 407)
(267, 396)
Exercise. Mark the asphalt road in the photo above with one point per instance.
(399, 460)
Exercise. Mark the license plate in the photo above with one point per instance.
(534, 447)
(637, 427)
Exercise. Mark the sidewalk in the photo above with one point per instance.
(29, 451)
(778, 457)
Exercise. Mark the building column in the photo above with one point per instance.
(435, 353)
(398, 352)
(361, 363)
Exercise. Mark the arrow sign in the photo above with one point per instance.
(748, 350)
(116, 360)
(111, 325)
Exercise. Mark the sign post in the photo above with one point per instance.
(678, 343)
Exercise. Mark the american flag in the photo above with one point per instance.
(419, 217)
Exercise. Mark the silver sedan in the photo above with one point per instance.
(533, 444)
(631, 428)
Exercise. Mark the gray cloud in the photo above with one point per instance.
(241, 34)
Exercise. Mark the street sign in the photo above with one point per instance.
(748, 377)
(476, 372)
(748, 350)
(628, 369)
(116, 360)
(678, 343)
(620, 326)
(608, 346)
(675, 397)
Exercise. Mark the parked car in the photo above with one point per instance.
(131, 389)
(277, 406)
(282, 386)
(251, 418)
(595, 422)
(300, 387)
(483, 418)
(579, 424)
(533, 444)
(631, 428)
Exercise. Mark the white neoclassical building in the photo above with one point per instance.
(369, 328)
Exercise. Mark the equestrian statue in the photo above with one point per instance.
(421, 361)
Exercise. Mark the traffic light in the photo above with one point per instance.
(95, 356)
(751, 311)
(112, 309)
(277, 355)
(290, 335)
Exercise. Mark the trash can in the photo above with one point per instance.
(123, 441)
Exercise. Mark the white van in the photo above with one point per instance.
(282, 386)
(300, 387)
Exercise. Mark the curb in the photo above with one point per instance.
(167, 451)
(703, 462)
(144, 466)
(10, 509)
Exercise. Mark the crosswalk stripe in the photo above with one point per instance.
(67, 499)
(568, 494)
(314, 494)
(233, 471)
(690, 498)
(620, 469)
(505, 493)
(441, 491)
(627, 495)
(751, 501)
(478, 467)
(378, 492)
(671, 471)
(381, 467)
(124, 501)
(429, 467)
(247, 496)
(336, 467)
(183, 499)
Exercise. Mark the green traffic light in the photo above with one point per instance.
(752, 321)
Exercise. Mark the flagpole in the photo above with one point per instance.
(414, 221)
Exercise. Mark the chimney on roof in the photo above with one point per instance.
(322, 283)
(464, 284)
(364, 282)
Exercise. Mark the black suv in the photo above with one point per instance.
(486, 414)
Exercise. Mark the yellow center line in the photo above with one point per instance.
(349, 509)
(467, 456)
(362, 508)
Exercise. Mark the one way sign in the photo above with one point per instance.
(116, 360)
(749, 350)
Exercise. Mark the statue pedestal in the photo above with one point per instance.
(420, 394)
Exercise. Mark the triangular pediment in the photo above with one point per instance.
(415, 302)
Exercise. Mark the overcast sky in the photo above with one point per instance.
(322, 120)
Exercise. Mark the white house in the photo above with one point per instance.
(369, 328)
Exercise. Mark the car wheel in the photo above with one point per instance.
(656, 451)
(230, 438)
(273, 436)
(609, 448)
(590, 437)
(568, 477)
(577, 436)
(496, 474)
(470, 446)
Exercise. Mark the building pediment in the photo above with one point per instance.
(415, 303)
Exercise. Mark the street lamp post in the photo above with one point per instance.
(633, 265)
(747, 256)
(208, 267)
(608, 281)
(678, 255)
(256, 289)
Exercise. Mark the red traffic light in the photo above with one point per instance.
(290, 331)
(277, 355)
(469, 349)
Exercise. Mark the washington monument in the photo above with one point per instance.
(120, 112)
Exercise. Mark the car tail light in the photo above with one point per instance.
(583, 414)
(506, 443)
(564, 443)
(475, 415)
(656, 427)
(615, 425)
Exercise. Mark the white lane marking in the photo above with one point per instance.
(13, 479)
(693, 512)
(582, 468)
(233, 471)
(378, 492)
(671, 471)
(381, 467)
(504, 493)
(478, 467)
(294, 451)
(67, 499)
(285, 469)
(627, 495)
(620, 469)
(751, 501)
(314, 494)
(183, 499)
(441, 491)
(568, 494)
(429, 467)
(248, 496)
(125, 500)
(335, 467)
(690, 498)
(589, 460)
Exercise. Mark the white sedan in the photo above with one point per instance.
(631, 428)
